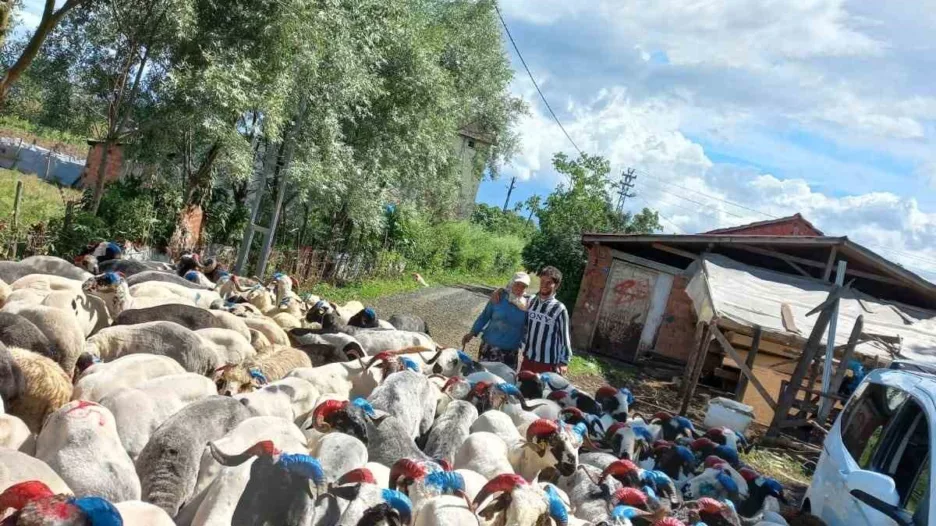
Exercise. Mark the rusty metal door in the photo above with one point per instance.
(624, 309)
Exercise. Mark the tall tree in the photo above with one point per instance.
(581, 204)
(48, 21)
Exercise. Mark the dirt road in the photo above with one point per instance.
(449, 311)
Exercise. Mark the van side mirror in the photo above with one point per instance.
(895, 513)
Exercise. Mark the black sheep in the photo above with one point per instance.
(17, 331)
(408, 322)
(192, 318)
(365, 319)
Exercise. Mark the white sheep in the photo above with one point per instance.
(230, 346)
(346, 380)
(47, 388)
(45, 283)
(269, 328)
(156, 337)
(80, 442)
(291, 398)
(127, 371)
(55, 266)
(140, 410)
(60, 327)
(90, 311)
(5, 292)
(261, 369)
(16, 467)
(15, 435)
(201, 298)
(232, 322)
(137, 513)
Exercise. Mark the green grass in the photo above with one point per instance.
(41, 201)
(778, 466)
(587, 364)
(380, 287)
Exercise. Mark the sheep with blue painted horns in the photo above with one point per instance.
(80, 442)
(168, 465)
(164, 338)
(278, 489)
(47, 388)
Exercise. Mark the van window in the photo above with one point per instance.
(866, 418)
(906, 456)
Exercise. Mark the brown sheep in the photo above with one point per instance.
(47, 388)
(260, 370)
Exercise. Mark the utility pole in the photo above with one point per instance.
(624, 187)
(510, 189)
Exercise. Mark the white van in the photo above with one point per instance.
(876, 462)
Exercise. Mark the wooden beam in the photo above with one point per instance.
(786, 316)
(827, 275)
(788, 394)
(749, 362)
(637, 260)
(818, 264)
(679, 252)
(696, 370)
(843, 366)
(799, 269)
(745, 370)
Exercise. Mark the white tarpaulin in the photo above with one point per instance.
(752, 296)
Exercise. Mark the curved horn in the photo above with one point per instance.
(557, 509)
(264, 447)
(574, 412)
(382, 356)
(505, 482)
(237, 284)
(324, 410)
(304, 466)
(618, 468)
(450, 382)
(359, 475)
(399, 502)
(405, 468)
(435, 357)
(355, 348)
(541, 428)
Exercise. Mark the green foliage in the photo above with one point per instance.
(385, 286)
(130, 210)
(41, 201)
(496, 221)
(581, 204)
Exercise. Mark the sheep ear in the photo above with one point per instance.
(347, 492)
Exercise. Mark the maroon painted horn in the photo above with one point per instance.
(541, 428)
(357, 476)
(262, 448)
(505, 482)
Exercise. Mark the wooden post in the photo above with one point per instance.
(697, 369)
(690, 365)
(745, 370)
(843, 366)
(17, 201)
(749, 362)
(788, 395)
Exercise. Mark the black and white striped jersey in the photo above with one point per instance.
(547, 332)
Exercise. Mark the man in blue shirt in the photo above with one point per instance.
(502, 324)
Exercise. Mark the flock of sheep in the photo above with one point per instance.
(141, 393)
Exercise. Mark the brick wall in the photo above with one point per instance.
(93, 162)
(675, 337)
(591, 289)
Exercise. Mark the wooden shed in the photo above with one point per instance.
(634, 300)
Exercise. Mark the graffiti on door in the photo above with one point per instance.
(631, 290)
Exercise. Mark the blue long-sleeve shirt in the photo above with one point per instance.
(502, 324)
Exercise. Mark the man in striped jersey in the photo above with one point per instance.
(547, 345)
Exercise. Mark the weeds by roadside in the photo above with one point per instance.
(377, 288)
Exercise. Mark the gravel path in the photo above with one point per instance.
(449, 311)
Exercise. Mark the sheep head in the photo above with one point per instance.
(237, 379)
(395, 510)
(344, 416)
(106, 283)
(561, 441)
(19, 495)
(520, 503)
(446, 362)
(615, 402)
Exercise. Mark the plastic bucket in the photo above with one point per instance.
(723, 412)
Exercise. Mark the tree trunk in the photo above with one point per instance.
(50, 19)
(101, 174)
(199, 184)
(6, 14)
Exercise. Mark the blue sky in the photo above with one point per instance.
(823, 107)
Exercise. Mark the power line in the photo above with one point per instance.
(714, 197)
(663, 217)
(538, 90)
(644, 181)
